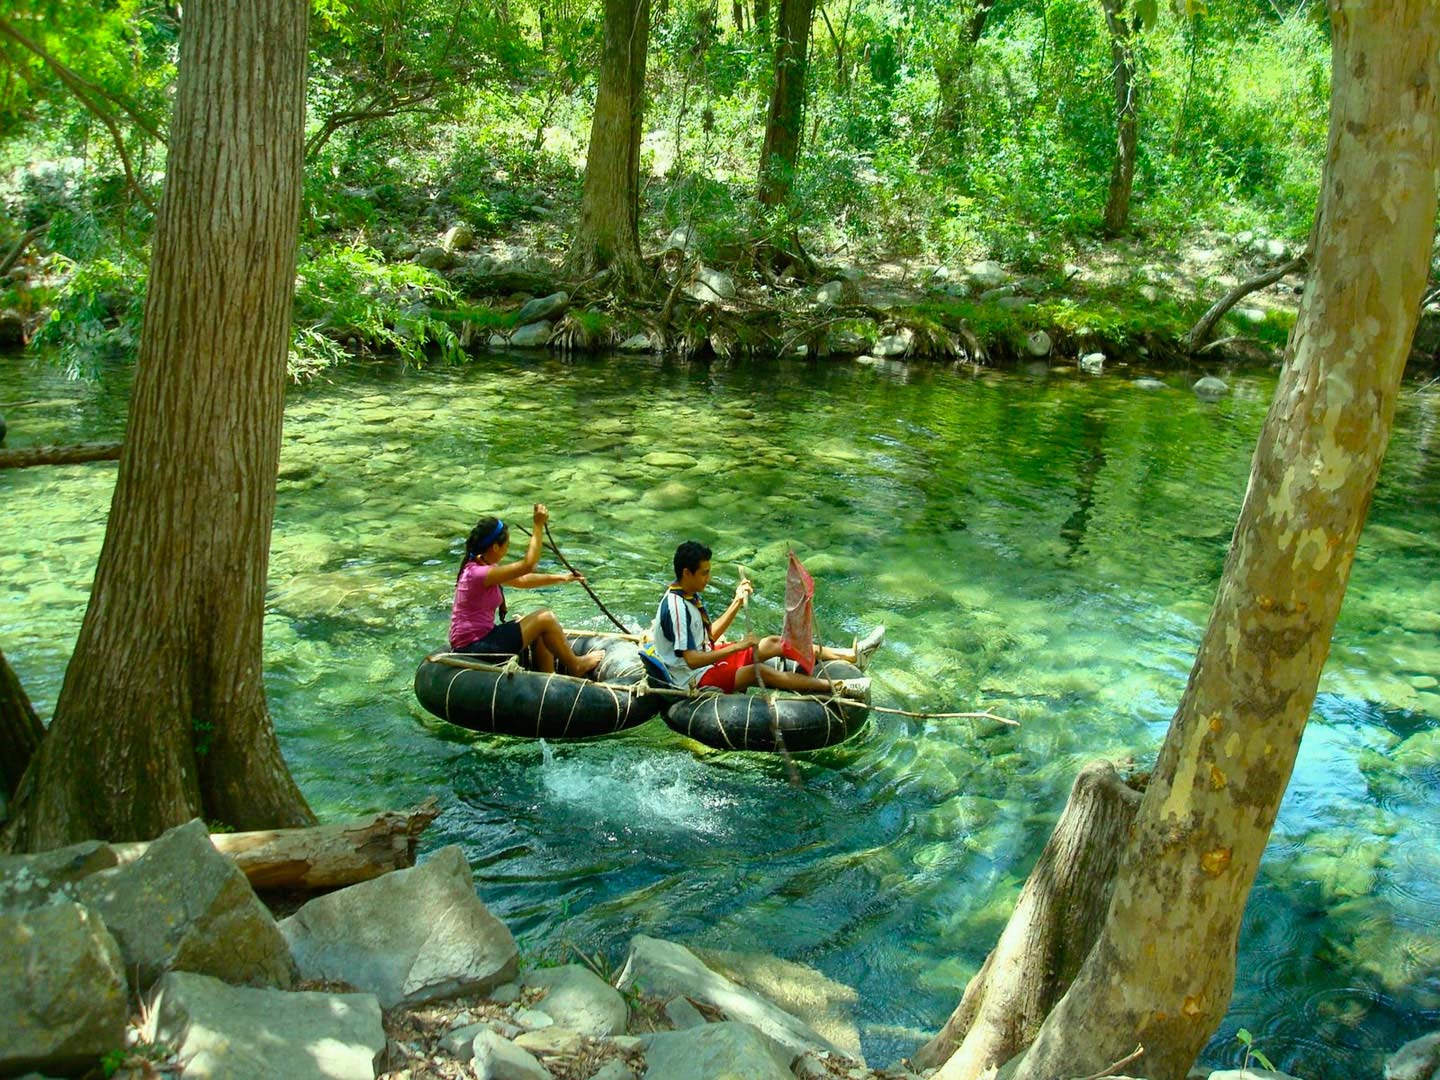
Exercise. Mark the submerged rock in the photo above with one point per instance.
(1419, 1059)
(1093, 363)
(1210, 388)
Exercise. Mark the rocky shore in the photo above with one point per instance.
(167, 963)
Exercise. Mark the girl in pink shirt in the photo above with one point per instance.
(477, 623)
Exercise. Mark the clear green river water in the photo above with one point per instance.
(1046, 547)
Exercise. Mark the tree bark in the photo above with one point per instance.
(1163, 969)
(786, 121)
(1056, 920)
(20, 729)
(953, 67)
(162, 714)
(75, 454)
(322, 857)
(1122, 172)
(608, 235)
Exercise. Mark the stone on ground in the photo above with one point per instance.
(500, 1059)
(726, 1051)
(1419, 1059)
(580, 1000)
(410, 936)
(239, 1031)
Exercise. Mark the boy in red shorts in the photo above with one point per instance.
(683, 639)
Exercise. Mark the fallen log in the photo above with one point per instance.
(59, 455)
(323, 856)
(1055, 922)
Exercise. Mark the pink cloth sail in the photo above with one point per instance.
(799, 631)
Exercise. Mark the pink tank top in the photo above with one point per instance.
(476, 604)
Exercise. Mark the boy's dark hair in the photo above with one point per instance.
(689, 556)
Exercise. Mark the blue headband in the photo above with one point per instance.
(494, 535)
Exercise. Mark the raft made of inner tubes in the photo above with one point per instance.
(487, 694)
(772, 721)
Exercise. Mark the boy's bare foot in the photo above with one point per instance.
(586, 664)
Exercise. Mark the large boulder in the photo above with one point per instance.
(64, 1001)
(28, 881)
(1209, 388)
(728, 1051)
(183, 906)
(1419, 1059)
(409, 936)
(239, 1031)
(542, 307)
(711, 286)
(666, 970)
(535, 335)
(580, 1000)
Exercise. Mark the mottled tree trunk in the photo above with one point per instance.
(1056, 920)
(762, 15)
(162, 714)
(20, 729)
(786, 121)
(1127, 117)
(1164, 967)
(608, 235)
(953, 67)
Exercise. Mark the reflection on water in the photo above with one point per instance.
(1047, 548)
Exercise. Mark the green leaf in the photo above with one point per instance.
(1244, 1037)
(1148, 11)
(1265, 1063)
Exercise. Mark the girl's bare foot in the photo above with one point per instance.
(584, 665)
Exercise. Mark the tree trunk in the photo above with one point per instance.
(737, 15)
(953, 67)
(322, 857)
(1163, 970)
(786, 122)
(162, 715)
(1057, 918)
(608, 236)
(1122, 173)
(762, 15)
(20, 729)
(1200, 333)
(75, 454)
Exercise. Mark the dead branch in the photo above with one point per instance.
(7, 263)
(1115, 1067)
(59, 455)
(1202, 330)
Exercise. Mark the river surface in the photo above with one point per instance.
(1043, 546)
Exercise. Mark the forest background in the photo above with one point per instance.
(935, 133)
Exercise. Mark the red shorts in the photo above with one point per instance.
(721, 675)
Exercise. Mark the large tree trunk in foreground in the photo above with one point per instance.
(162, 714)
(1122, 171)
(20, 729)
(1056, 920)
(1164, 967)
(786, 121)
(608, 236)
(322, 857)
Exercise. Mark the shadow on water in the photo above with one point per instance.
(1046, 548)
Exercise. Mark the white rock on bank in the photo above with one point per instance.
(580, 1000)
(726, 1051)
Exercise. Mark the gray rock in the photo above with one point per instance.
(1038, 343)
(1093, 363)
(238, 1031)
(580, 1000)
(894, 344)
(553, 1041)
(458, 238)
(987, 274)
(1253, 316)
(711, 286)
(64, 1002)
(728, 1051)
(682, 238)
(613, 1070)
(667, 970)
(828, 295)
(543, 307)
(1148, 384)
(1209, 388)
(409, 936)
(637, 343)
(1419, 1059)
(506, 993)
(1277, 250)
(1012, 303)
(435, 257)
(500, 1059)
(533, 1019)
(532, 336)
(682, 1014)
(958, 289)
(461, 1041)
(1249, 1074)
(847, 342)
(182, 906)
(998, 293)
(28, 881)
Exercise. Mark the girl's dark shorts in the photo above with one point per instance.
(504, 640)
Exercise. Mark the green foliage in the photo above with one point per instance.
(1245, 1039)
(350, 299)
(96, 314)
